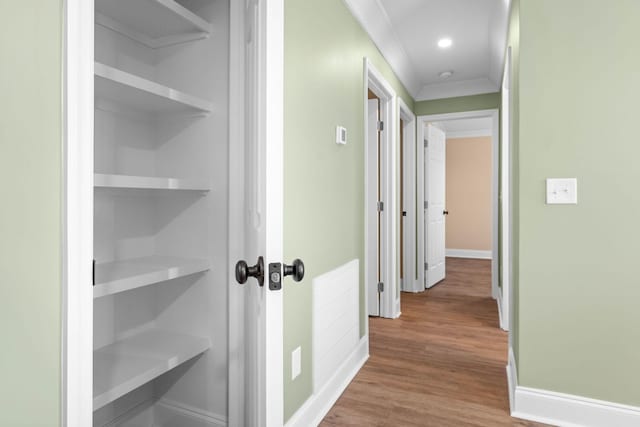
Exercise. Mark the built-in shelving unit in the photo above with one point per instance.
(154, 23)
(160, 212)
(120, 276)
(101, 180)
(142, 94)
(127, 364)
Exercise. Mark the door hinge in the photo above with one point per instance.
(380, 125)
(426, 266)
(380, 206)
(380, 287)
(426, 205)
(426, 143)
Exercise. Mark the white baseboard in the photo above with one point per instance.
(499, 303)
(318, 405)
(512, 378)
(468, 253)
(565, 410)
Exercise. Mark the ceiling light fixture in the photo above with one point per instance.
(445, 43)
(445, 74)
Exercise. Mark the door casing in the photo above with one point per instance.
(77, 248)
(390, 297)
(505, 201)
(422, 121)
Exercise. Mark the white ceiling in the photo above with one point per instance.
(467, 128)
(407, 32)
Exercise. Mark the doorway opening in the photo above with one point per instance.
(149, 202)
(382, 294)
(465, 127)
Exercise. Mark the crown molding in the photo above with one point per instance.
(374, 20)
(454, 89)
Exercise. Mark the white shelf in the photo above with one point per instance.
(145, 183)
(142, 94)
(154, 23)
(126, 365)
(120, 276)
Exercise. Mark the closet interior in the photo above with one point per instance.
(160, 212)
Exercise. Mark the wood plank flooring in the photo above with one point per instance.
(442, 363)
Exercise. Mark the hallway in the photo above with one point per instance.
(442, 363)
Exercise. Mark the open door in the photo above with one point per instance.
(435, 210)
(373, 226)
(256, 204)
(383, 297)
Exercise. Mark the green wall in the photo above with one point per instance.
(578, 294)
(30, 217)
(485, 101)
(323, 181)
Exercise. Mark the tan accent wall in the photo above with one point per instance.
(468, 197)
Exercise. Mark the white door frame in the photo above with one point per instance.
(389, 298)
(506, 196)
(409, 181)
(495, 138)
(77, 247)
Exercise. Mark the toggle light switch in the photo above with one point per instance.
(296, 363)
(562, 191)
(341, 135)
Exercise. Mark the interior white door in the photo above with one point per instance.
(373, 216)
(256, 332)
(435, 211)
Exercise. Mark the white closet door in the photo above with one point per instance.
(435, 157)
(256, 377)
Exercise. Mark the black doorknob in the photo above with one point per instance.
(243, 271)
(445, 212)
(296, 270)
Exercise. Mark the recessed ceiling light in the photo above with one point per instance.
(445, 43)
(445, 74)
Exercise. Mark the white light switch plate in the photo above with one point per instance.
(562, 191)
(296, 364)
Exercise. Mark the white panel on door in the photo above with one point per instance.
(435, 157)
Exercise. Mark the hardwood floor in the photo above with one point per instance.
(442, 363)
